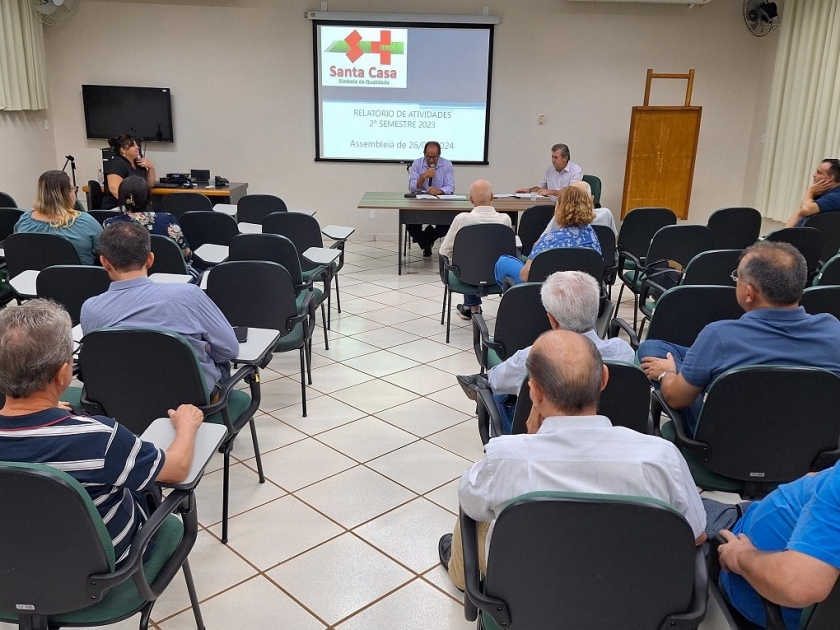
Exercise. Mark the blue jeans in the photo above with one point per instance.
(506, 405)
(472, 300)
(508, 267)
(658, 349)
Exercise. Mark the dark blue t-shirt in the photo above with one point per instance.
(802, 516)
(830, 201)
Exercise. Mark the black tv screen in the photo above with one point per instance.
(142, 112)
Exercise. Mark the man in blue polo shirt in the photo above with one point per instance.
(822, 196)
(773, 330)
(785, 547)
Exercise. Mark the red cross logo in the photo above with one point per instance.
(381, 48)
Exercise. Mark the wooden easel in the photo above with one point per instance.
(661, 152)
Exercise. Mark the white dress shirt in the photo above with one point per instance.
(507, 377)
(479, 214)
(580, 454)
(558, 180)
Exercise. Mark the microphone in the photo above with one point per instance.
(429, 181)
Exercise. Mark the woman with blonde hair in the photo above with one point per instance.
(54, 213)
(574, 213)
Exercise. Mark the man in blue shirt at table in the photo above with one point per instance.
(134, 300)
(822, 196)
(432, 175)
(774, 330)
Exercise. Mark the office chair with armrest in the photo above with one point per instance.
(168, 257)
(625, 401)
(595, 184)
(7, 201)
(532, 224)
(829, 273)
(471, 271)
(71, 285)
(606, 237)
(261, 294)
(520, 319)
(822, 299)
(207, 228)
(303, 230)
(808, 240)
(94, 195)
(710, 268)
(682, 312)
(125, 378)
(734, 228)
(606, 579)
(671, 244)
(178, 204)
(255, 208)
(104, 215)
(58, 559)
(279, 249)
(8, 218)
(828, 224)
(760, 426)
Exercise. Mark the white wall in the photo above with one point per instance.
(241, 77)
(27, 149)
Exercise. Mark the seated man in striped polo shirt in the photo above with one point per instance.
(113, 464)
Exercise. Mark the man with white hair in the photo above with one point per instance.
(571, 300)
(481, 196)
(603, 216)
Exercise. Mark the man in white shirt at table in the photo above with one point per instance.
(481, 196)
(560, 174)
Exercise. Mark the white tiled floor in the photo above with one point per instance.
(344, 532)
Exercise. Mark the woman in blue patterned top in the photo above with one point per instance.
(574, 213)
(135, 198)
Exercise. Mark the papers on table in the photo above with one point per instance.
(209, 436)
(443, 197)
(337, 232)
(528, 196)
(321, 255)
(212, 253)
(503, 195)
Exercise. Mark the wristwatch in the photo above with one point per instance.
(659, 380)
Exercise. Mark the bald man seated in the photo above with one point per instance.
(481, 196)
(568, 448)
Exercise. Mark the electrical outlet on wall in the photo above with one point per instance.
(46, 124)
(373, 214)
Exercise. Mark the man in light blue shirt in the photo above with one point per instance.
(432, 175)
(133, 300)
(560, 174)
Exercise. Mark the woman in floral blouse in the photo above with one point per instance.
(574, 213)
(135, 198)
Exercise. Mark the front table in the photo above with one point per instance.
(435, 211)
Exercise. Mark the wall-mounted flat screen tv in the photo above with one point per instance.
(142, 112)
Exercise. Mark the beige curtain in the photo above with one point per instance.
(23, 72)
(804, 119)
